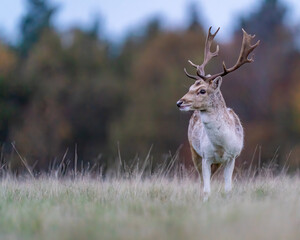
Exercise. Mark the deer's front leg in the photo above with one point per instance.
(206, 173)
(229, 166)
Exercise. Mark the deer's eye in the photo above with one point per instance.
(202, 91)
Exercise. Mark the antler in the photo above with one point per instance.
(208, 55)
(246, 49)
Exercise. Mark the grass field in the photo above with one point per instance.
(158, 208)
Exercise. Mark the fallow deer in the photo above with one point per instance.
(215, 132)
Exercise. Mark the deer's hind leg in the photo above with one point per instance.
(197, 160)
(214, 168)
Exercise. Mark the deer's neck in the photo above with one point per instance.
(215, 114)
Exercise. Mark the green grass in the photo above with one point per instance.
(264, 208)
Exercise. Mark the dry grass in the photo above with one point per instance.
(157, 208)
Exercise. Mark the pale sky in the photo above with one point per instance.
(120, 16)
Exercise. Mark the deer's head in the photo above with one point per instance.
(205, 90)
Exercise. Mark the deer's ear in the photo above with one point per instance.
(216, 83)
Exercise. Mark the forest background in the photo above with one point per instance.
(77, 94)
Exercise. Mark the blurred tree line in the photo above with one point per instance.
(59, 90)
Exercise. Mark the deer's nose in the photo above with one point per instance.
(179, 103)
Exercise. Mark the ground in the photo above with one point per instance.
(157, 208)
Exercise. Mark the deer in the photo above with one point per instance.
(215, 132)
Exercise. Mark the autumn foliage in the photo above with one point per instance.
(59, 89)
